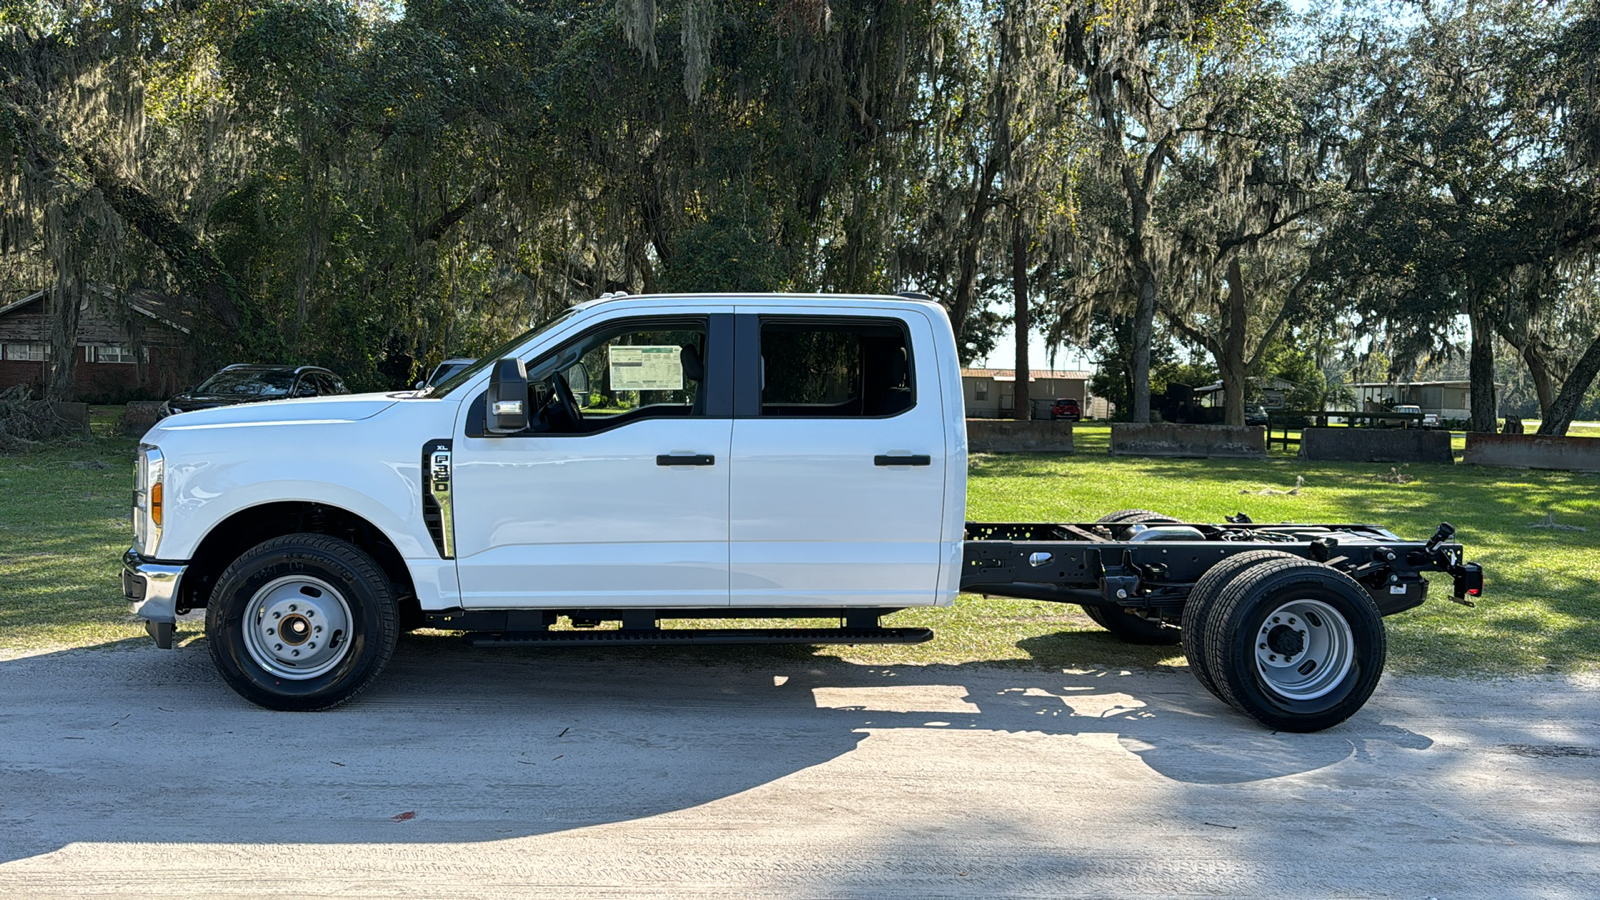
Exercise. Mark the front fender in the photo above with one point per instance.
(371, 468)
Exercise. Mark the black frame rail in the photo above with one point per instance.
(1152, 568)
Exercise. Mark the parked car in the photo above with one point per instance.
(1066, 408)
(1407, 419)
(1255, 415)
(242, 383)
(1430, 421)
(445, 370)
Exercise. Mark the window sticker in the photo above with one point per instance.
(646, 368)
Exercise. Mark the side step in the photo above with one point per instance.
(646, 637)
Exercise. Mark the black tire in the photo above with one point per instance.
(1130, 629)
(296, 586)
(1134, 516)
(1203, 599)
(1343, 644)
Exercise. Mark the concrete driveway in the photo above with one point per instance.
(127, 770)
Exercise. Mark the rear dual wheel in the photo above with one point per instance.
(1203, 599)
(1292, 643)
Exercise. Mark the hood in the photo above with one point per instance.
(302, 410)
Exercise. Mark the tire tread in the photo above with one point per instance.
(1225, 620)
(347, 554)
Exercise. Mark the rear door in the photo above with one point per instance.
(839, 453)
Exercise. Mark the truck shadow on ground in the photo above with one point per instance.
(127, 743)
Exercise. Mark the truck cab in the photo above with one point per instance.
(657, 456)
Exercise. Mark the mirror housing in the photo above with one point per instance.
(506, 405)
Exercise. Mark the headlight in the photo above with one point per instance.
(147, 499)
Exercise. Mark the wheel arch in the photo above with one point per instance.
(252, 525)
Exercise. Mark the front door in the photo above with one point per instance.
(839, 466)
(619, 501)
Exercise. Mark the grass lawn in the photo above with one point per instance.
(64, 524)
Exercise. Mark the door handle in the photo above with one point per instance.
(697, 459)
(921, 459)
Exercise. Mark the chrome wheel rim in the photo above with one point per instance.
(297, 627)
(1304, 649)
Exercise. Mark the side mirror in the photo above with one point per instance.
(420, 385)
(506, 406)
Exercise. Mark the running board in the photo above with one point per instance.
(659, 636)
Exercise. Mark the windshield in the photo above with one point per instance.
(248, 383)
(466, 374)
(445, 370)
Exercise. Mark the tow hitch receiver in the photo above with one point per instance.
(1469, 582)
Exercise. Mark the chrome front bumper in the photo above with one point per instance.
(152, 588)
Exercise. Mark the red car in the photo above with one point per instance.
(1066, 408)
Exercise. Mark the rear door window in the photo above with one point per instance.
(835, 369)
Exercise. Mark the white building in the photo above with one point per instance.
(991, 393)
(1447, 399)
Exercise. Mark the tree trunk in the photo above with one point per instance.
(63, 364)
(1532, 355)
(1544, 383)
(1023, 410)
(1232, 362)
(63, 302)
(1143, 324)
(1559, 417)
(1480, 370)
(226, 307)
(971, 243)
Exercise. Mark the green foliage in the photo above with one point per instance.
(376, 187)
(1193, 374)
(724, 255)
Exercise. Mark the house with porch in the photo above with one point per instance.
(128, 347)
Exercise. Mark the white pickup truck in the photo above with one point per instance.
(641, 459)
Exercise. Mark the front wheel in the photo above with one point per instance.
(301, 622)
(1295, 645)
